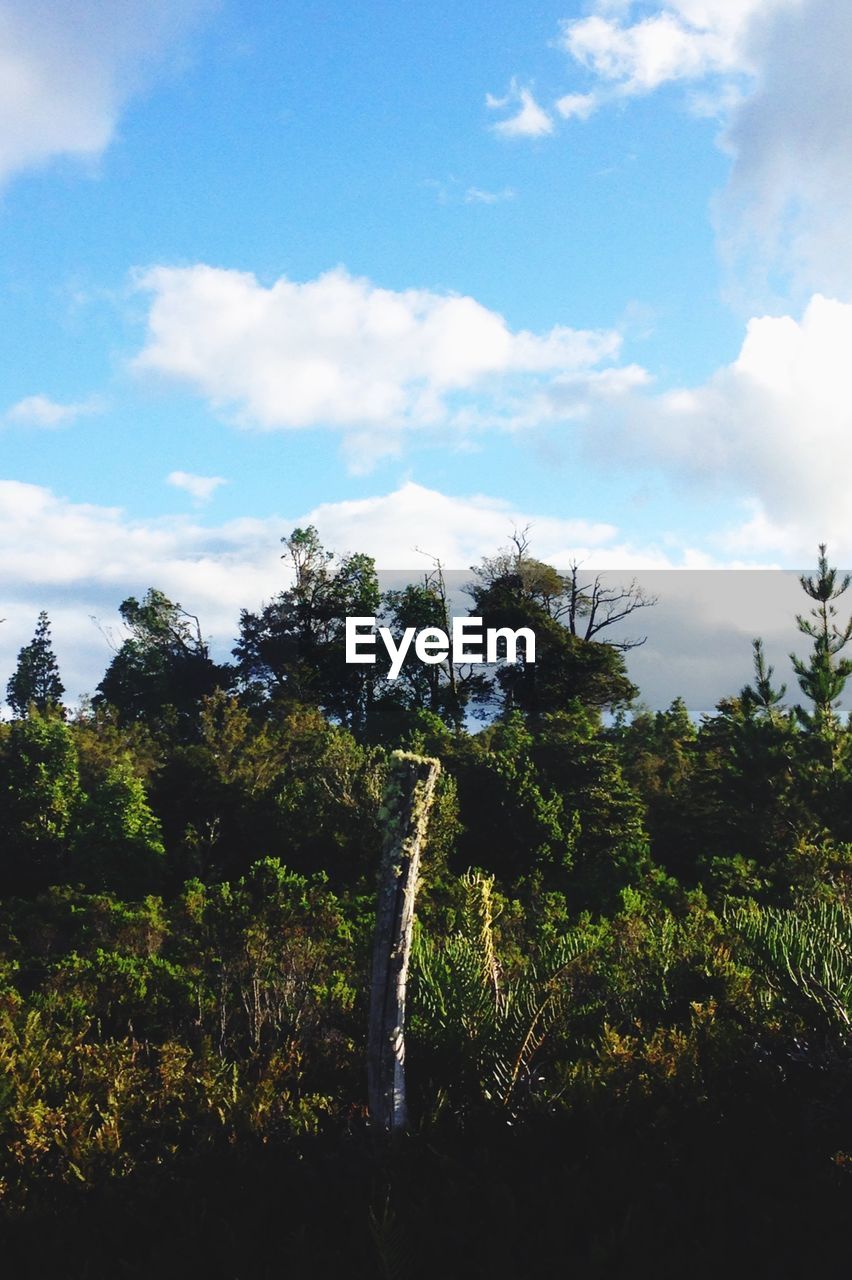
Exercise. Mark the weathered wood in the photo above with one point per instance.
(405, 812)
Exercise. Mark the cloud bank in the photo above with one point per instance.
(79, 561)
(773, 428)
(788, 205)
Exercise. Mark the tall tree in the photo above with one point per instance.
(762, 698)
(822, 677)
(445, 688)
(163, 669)
(36, 681)
(513, 589)
(294, 647)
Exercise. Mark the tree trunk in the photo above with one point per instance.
(408, 799)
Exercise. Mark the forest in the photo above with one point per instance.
(629, 1039)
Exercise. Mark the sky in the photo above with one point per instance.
(418, 275)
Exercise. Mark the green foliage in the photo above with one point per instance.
(651, 971)
(806, 953)
(480, 1029)
(36, 682)
(823, 677)
(294, 647)
(118, 842)
(163, 670)
(39, 801)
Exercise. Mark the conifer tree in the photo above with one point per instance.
(823, 676)
(36, 679)
(762, 697)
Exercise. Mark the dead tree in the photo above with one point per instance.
(592, 607)
(408, 800)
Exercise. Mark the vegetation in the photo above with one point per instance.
(629, 1044)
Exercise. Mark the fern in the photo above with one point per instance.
(808, 952)
(486, 1031)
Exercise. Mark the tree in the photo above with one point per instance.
(163, 670)
(761, 698)
(294, 647)
(39, 800)
(36, 681)
(515, 590)
(444, 688)
(822, 678)
(118, 843)
(592, 607)
(584, 608)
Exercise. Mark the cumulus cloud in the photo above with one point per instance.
(80, 561)
(341, 352)
(776, 73)
(629, 52)
(529, 120)
(201, 488)
(632, 51)
(458, 531)
(68, 67)
(775, 426)
(683, 40)
(42, 411)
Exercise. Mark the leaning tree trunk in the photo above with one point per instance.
(408, 799)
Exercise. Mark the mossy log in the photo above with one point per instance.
(408, 799)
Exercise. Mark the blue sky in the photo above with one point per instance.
(418, 273)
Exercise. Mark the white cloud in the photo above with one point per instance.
(80, 561)
(201, 488)
(640, 56)
(68, 67)
(529, 121)
(340, 352)
(683, 40)
(776, 73)
(42, 411)
(774, 426)
(789, 201)
(576, 106)
(458, 531)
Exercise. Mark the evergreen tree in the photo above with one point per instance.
(36, 679)
(823, 676)
(762, 698)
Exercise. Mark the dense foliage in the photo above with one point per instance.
(630, 1044)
